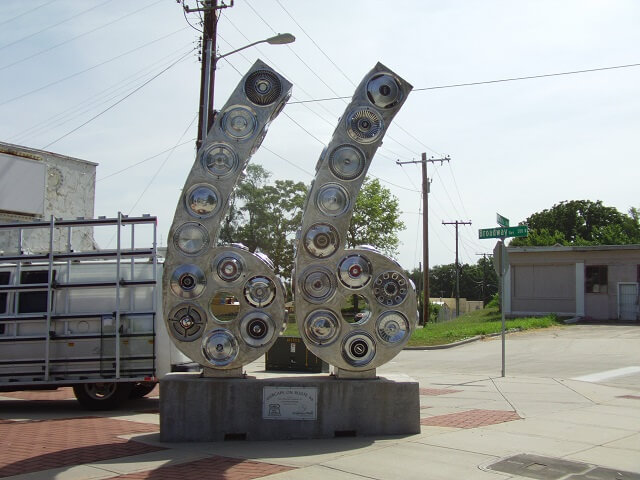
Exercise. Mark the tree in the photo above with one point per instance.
(477, 282)
(581, 222)
(265, 217)
(376, 218)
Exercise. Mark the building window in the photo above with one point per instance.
(596, 279)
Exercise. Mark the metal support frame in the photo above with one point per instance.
(54, 260)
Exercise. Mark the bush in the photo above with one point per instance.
(494, 302)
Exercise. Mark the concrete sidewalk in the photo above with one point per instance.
(469, 422)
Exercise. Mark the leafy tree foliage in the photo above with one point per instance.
(265, 217)
(477, 282)
(376, 218)
(581, 222)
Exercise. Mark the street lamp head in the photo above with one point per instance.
(281, 38)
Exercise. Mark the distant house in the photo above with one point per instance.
(594, 282)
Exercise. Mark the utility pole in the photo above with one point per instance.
(208, 71)
(426, 183)
(456, 223)
(484, 274)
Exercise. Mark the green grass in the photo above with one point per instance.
(480, 322)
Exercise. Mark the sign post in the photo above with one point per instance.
(501, 264)
(501, 261)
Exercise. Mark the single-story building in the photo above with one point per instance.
(594, 282)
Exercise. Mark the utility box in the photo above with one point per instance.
(290, 354)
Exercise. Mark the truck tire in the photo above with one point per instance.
(103, 395)
(141, 389)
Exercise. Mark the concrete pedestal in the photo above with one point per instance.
(195, 409)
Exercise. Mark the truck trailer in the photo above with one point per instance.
(89, 319)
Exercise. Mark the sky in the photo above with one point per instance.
(117, 82)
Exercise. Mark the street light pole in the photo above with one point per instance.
(207, 90)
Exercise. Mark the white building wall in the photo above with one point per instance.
(69, 192)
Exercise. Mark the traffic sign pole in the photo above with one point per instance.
(501, 263)
(502, 270)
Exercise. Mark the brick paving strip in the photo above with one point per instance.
(63, 393)
(211, 468)
(471, 418)
(437, 391)
(38, 445)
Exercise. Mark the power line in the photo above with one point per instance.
(294, 52)
(144, 161)
(55, 82)
(118, 102)
(485, 82)
(171, 150)
(27, 12)
(29, 57)
(390, 137)
(313, 136)
(54, 25)
(317, 46)
(88, 104)
(163, 164)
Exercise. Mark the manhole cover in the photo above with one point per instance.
(536, 466)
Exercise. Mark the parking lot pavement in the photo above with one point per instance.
(475, 424)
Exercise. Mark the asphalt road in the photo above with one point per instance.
(604, 354)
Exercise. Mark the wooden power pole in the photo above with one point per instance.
(456, 223)
(425, 228)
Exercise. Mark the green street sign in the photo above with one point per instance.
(503, 232)
(502, 221)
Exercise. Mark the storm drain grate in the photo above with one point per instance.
(549, 468)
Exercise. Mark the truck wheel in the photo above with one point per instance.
(103, 395)
(141, 389)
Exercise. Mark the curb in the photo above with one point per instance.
(461, 342)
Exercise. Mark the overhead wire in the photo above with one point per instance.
(80, 72)
(26, 12)
(502, 80)
(388, 136)
(293, 51)
(184, 12)
(118, 102)
(95, 100)
(283, 71)
(31, 35)
(313, 136)
(69, 40)
(133, 165)
(316, 44)
(157, 172)
(314, 73)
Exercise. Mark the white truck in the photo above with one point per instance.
(87, 319)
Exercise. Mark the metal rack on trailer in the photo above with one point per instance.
(87, 319)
